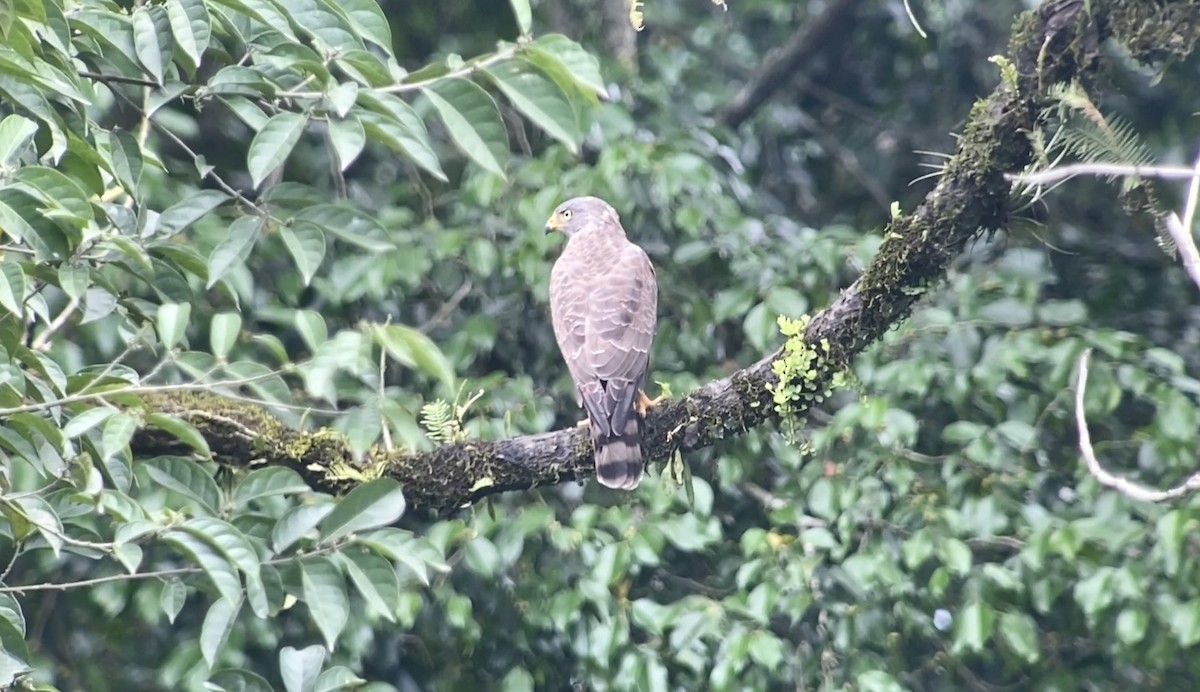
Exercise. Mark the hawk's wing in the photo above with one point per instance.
(604, 317)
(621, 316)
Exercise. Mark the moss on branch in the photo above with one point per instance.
(1059, 42)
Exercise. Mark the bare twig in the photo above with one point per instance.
(1051, 175)
(443, 313)
(464, 71)
(42, 342)
(815, 34)
(117, 79)
(1121, 484)
(66, 586)
(134, 389)
(1193, 197)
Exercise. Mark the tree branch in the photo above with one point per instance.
(774, 73)
(1057, 43)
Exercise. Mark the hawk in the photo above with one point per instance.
(604, 303)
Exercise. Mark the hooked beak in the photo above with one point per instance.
(554, 223)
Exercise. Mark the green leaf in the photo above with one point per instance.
(347, 138)
(362, 426)
(125, 159)
(973, 626)
(85, 421)
(306, 242)
(232, 543)
(187, 211)
(337, 678)
(11, 668)
(267, 482)
(375, 579)
(264, 11)
(14, 225)
(41, 516)
(1008, 312)
(323, 22)
(956, 555)
(12, 287)
(273, 143)
(524, 16)
(1184, 622)
(187, 478)
(152, 40)
(581, 66)
(239, 680)
(215, 566)
(1132, 624)
(234, 249)
(341, 98)
(311, 325)
(190, 25)
(299, 669)
(172, 598)
(406, 135)
(10, 611)
(296, 523)
(73, 279)
(349, 224)
(218, 623)
(1019, 632)
(539, 98)
(16, 134)
(401, 547)
(182, 430)
(223, 332)
(97, 304)
(412, 348)
(118, 430)
(367, 17)
(62, 197)
(473, 121)
(377, 503)
(878, 681)
(325, 594)
(172, 322)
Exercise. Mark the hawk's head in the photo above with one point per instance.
(580, 213)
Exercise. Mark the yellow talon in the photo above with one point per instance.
(645, 403)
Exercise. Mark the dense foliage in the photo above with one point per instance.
(333, 210)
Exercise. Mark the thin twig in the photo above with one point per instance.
(443, 313)
(387, 434)
(133, 389)
(1051, 175)
(464, 71)
(42, 341)
(117, 79)
(1193, 198)
(65, 586)
(1123, 485)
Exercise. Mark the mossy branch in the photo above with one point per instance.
(1059, 43)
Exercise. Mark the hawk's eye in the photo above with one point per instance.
(566, 214)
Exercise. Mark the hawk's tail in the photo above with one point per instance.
(619, 457)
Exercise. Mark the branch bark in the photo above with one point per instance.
(1059, 42)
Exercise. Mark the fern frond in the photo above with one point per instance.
(437, 417)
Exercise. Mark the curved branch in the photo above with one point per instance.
(1058, 43)
(774, 73)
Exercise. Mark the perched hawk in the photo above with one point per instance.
(604, 302)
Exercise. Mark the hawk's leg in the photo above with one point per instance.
(645, 403)
(585, 423)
